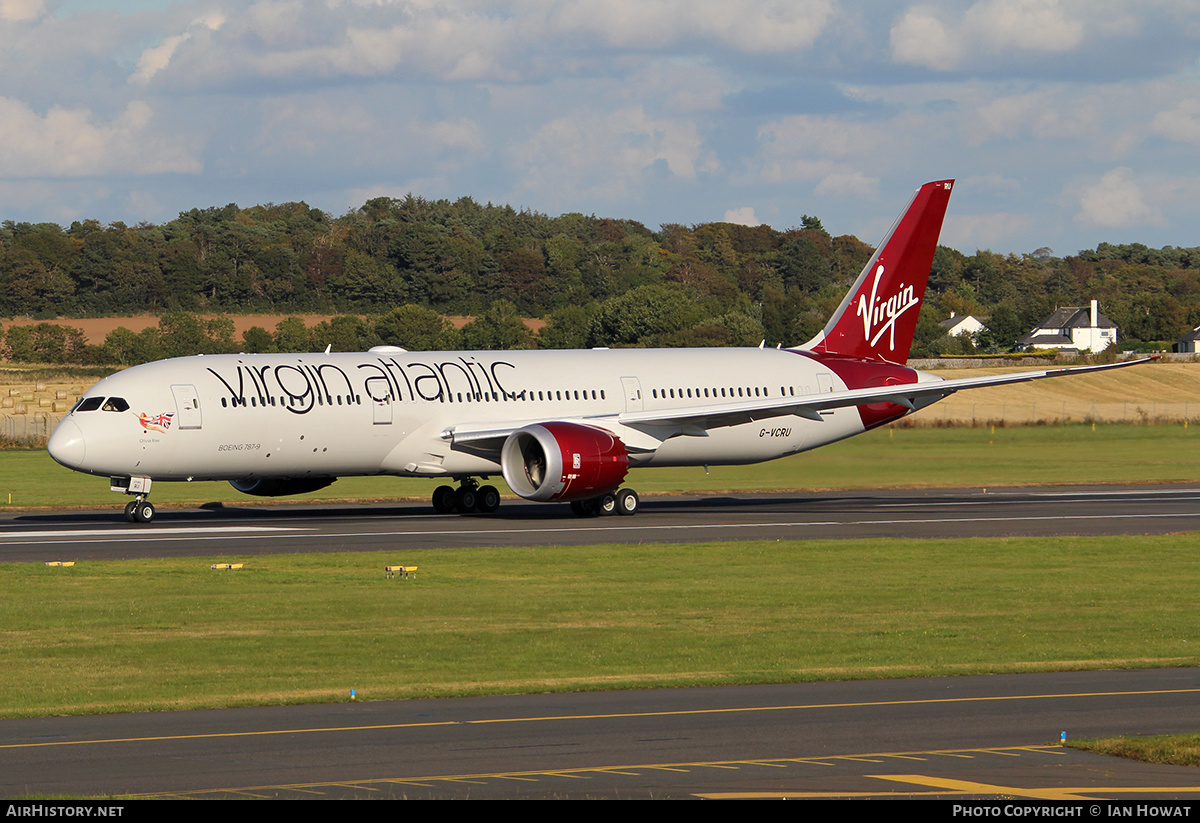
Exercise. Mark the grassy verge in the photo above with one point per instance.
(165, 634)
(1169, 750)
(887, 458)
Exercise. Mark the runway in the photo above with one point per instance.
(967, 737)
(935, 513)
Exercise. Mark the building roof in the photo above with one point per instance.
(1074, 317)
(951, 322)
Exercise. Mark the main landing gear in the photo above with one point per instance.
(471, 497)
(468, 497)
(624, 502)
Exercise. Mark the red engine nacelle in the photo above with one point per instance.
(563, 461)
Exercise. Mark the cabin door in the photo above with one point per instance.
(187, 406)
(380, 392)
(633, 393)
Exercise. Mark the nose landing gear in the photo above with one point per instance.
(139, 510)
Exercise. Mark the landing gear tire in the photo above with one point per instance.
(443, 499)
(466, 499)
(606, 504)
(130, 509)
(489, 499)
(583, 508)
(143, 511)
(627, 502)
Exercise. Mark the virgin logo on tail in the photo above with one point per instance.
(880, 315)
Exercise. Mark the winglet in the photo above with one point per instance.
(878, 316)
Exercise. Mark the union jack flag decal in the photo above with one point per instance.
(158, 423)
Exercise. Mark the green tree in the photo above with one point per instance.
(291, 335)
(499, 328)
(643, 314)
(417, 329)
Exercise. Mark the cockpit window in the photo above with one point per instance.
(88, 404)
(116, 404)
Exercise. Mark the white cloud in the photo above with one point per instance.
(756, 26)
(983, 231)
(743, 216)
(21, 10)
(605, 155)
(802, 147)
(71, 143)
(1053, 112)
(1116, 201)
(827, 151)
(944, 39)
(921, 38)
(1181, 123)
(848, 184)
(302, 40)
(156, 58)
(1026, 25)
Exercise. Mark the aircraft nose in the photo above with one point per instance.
(66, 444)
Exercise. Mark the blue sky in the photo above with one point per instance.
(1066, 123)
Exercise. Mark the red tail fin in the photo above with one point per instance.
(878, 316)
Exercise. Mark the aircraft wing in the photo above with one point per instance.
(909, 395)
(487, 440)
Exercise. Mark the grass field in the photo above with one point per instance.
(165, 634)
(1172, 750)
(886, 458)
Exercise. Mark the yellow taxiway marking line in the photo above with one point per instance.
(613, 716)
(807, 795)
(417, 782)
(940, 787)
(582, 773)
(971, 787)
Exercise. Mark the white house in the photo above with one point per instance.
(958, 324)
(1190, 342)
(1073, 328)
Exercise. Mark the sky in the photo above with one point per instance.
(1066, 123)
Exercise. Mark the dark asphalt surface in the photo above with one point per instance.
(937, 513)
(966, 737)
(980, 736)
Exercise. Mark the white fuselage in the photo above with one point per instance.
(394, 412)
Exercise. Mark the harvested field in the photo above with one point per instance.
(1153, 393)
(95, 329)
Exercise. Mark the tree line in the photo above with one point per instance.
(393, 268)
